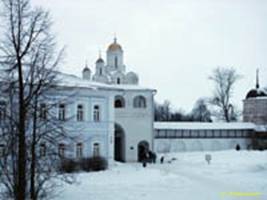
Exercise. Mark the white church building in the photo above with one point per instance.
(113, 114)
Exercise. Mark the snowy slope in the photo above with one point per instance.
(187, 178)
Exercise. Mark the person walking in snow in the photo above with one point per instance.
(162, 160)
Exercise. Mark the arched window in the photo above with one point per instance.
(96, 149)
(62, 112)
(119, 102)
(43, 111)
(116, 62)
(79, 150)
(139, 102)
(100, 71)
(96, 113)
(42, 150)
(2, 111)
(61, 150)
(80, 113)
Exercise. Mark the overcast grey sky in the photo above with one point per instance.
(172, 44)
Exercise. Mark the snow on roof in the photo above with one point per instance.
(69, 80)
(203, 125)
(261, 128)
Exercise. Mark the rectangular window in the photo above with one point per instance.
(42, 150)
(161, 133)
(79, 150)
(96, 150)
(224, 133)
(178, 134)
(96, 113)
(194, 134)
(62, 112)
(80, 112)
(43, 111)
(202, 133)
(61, 150)
(186, 133)
(239, 133)
(209, 133)
(232, 133)
(217, 133)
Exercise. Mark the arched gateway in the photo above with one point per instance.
(119, 148)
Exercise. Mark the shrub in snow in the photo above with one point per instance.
(94, 164)
(237, 147)
(68, 165)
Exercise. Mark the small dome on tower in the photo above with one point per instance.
(86, 72)
(86, 69)
(114, 46)
(99, 60)
(253, 93)
(256, 92)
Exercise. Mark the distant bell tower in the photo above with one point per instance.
(115, 57)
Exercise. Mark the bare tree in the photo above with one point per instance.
(163, 111)
(28, 62)
(201, 112)
(224, 80)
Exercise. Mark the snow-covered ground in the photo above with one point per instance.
(189, 177)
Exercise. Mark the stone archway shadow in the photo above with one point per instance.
(119, 144)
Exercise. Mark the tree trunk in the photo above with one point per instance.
(22, 145)
(33, 151)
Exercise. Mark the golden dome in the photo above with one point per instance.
(114, 46)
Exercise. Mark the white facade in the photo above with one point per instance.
(133, 113)
(88, 116)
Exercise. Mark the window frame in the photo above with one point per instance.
(121, 100)
(96, 113)
(61, 150)
(43, 111)
(80, 113)
(79, 150)
(42, 150)
(140, 102)
(96, 151)
(62, 112)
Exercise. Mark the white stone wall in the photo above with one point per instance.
(187, 145)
